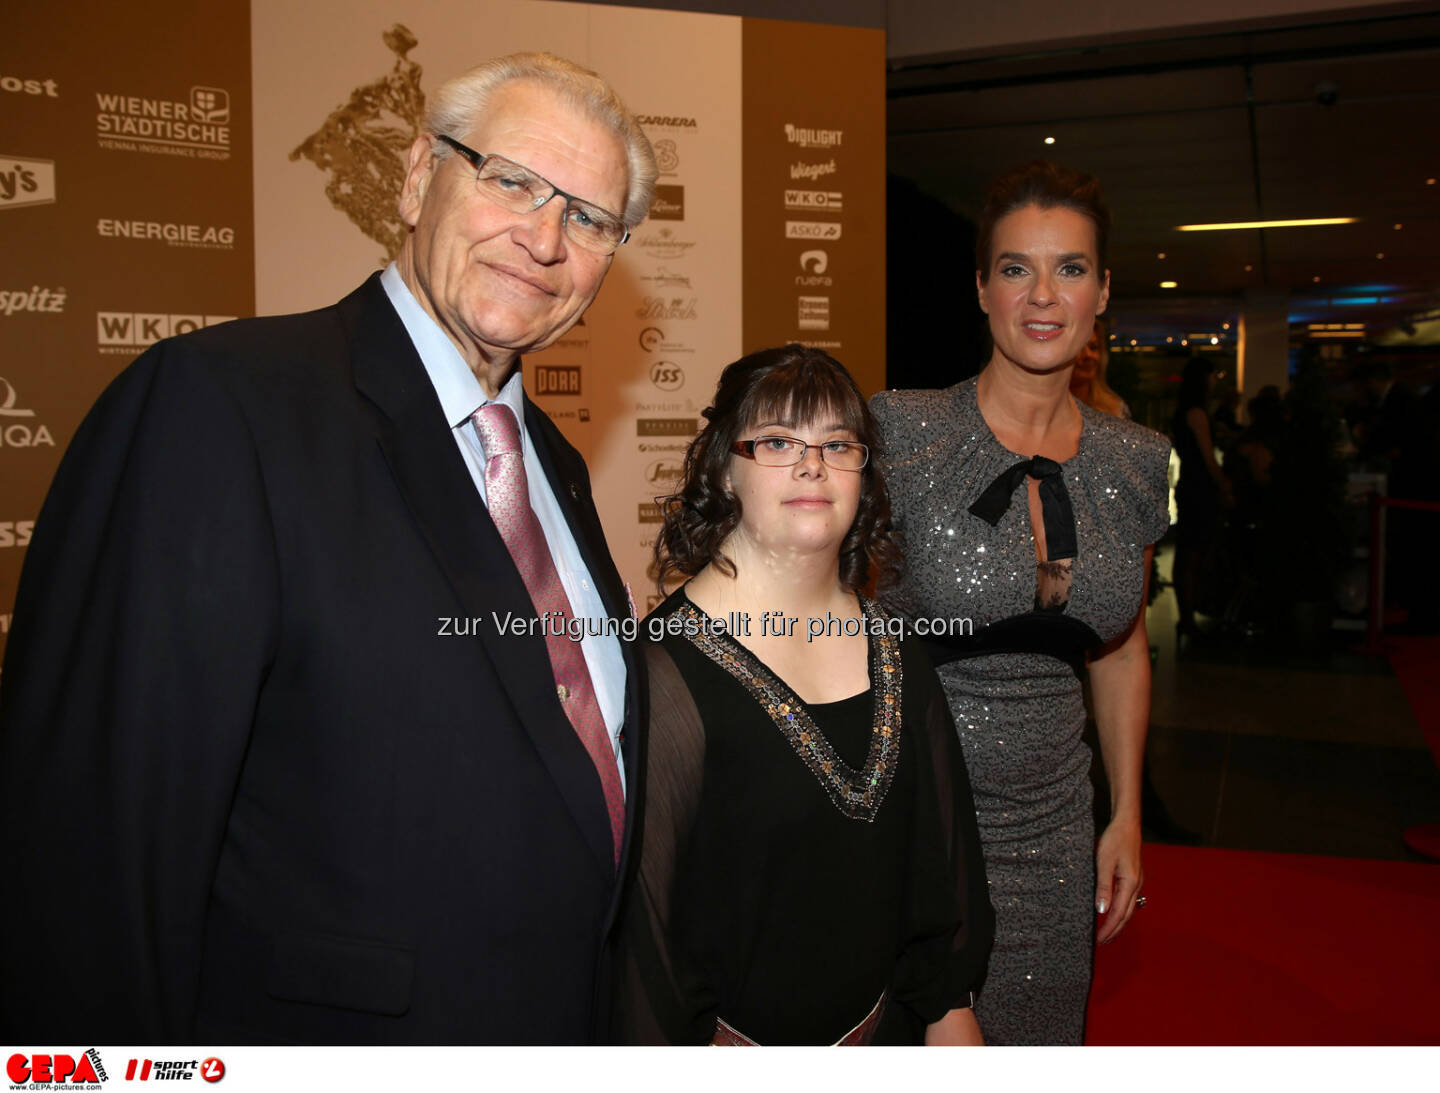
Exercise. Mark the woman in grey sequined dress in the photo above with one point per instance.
(1048, 558)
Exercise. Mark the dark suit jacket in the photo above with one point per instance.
(248, 792)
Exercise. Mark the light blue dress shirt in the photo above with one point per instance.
(460, 396)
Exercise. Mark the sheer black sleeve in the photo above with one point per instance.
(659, 997)
(947, 910)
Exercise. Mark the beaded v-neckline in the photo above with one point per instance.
(858, 794)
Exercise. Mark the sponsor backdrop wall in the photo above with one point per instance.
(169, 166)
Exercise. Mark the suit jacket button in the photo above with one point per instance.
(575, 490)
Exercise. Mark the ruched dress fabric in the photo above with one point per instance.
(775, 899)
(1020, 713)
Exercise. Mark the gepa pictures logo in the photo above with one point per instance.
(55, 1069)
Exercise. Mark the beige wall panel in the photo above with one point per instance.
(309, 59)
(669, 317)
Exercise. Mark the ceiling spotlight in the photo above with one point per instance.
(1184, 341)
(1134, 342)
(1112, 337)
(1161, 255)
(1169, 284)
(1168, 339)
(1315, 279)
(1214, 340)
(1429, 182)
(1380, 254)
(1049, 140)
(1249, 268)
(1224, 326)
(1240, 224)
(1399, 226)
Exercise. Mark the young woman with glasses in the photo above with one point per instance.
(810, 868)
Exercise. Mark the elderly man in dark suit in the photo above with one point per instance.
(269, 769)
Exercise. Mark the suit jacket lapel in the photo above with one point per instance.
(430, 473)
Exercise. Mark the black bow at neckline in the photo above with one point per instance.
(1055, 508)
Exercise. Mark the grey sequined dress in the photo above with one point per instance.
(1020, 712)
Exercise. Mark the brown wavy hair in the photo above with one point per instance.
(790, 385)
(1045, 185)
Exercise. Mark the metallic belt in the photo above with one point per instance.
(861, 1034)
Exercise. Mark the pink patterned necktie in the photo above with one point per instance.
(507, 493)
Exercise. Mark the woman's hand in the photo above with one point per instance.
(958, 1028)
(1118, 876)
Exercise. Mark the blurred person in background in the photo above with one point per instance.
(1253, 543)
(1395, 430)
(1201, 494)
(1088, 380)
(1225, 421)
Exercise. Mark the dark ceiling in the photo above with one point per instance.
(1333, 120)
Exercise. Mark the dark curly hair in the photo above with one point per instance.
(1046, 185)
(790, 386)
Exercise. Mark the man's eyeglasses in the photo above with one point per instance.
(786, 451)
(521, 190)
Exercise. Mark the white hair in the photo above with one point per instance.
(456, 106)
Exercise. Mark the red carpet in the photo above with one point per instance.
(1238, 947)
(1416, 664)
(1415, 661)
